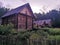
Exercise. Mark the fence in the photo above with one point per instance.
(15, 40)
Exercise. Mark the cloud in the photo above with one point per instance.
(1, 4)
(24, 1)
(8, 5)
(58, 7)
(36, 5)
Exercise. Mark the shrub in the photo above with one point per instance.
(5, 29)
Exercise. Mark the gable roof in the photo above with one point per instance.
(17, 10)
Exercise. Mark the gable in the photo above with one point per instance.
(26, 11)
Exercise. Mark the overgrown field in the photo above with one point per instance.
(42, 36)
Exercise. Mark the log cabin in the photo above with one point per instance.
(21, 17)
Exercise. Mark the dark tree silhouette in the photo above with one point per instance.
(3, 10)
(54, 15)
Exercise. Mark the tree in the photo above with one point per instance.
(3, 10)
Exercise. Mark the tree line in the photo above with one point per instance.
(54, 15)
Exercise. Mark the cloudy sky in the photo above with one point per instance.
(36, 5)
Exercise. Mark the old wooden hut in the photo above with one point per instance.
(21, 17)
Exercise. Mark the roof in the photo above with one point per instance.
(17, 10)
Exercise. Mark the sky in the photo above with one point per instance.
(36, 5)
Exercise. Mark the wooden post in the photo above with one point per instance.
(45, 41)
(42, 42)
(26, 21)
(51, 42)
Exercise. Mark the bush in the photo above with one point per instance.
(5, 29)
